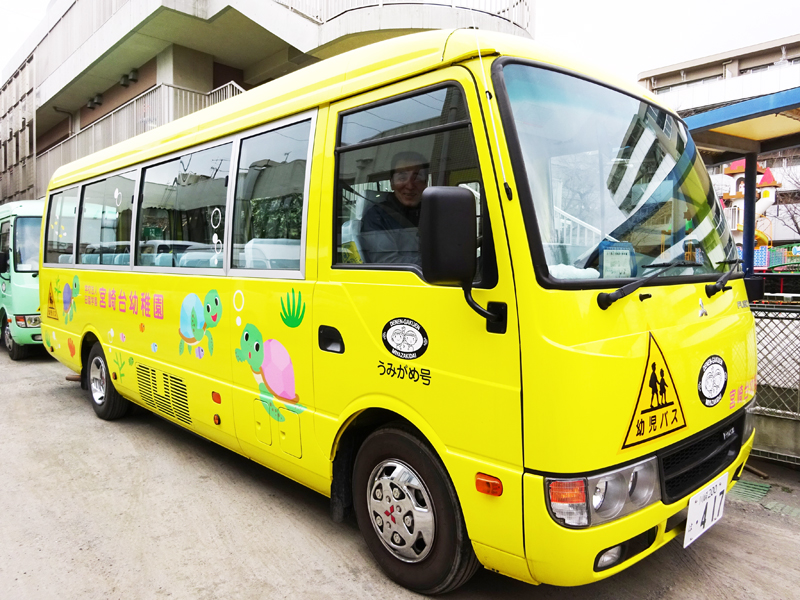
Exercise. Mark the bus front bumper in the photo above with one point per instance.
(25, 336)
(566, 557)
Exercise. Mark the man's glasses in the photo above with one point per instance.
(417, 176)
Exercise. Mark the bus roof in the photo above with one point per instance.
(324, 82)
(22, 208)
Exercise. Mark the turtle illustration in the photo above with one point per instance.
(272, 369)
(71, 293)
(197, 319)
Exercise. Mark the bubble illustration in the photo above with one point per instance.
(238, 294)
(238, 321)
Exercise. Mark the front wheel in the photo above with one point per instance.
(108, 404)
(15, 351)
(409, 514)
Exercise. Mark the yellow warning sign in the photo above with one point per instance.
(658, 409)
(51, 304)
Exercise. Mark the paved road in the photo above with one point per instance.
(140, 508)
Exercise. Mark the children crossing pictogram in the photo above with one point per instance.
(658, 408)
(51, 304)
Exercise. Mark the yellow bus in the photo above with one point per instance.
(475, 292)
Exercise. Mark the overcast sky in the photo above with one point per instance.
(625, 36)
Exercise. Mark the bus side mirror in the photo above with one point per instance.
(447, 236)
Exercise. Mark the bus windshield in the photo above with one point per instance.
(617, 184)
(26, 244)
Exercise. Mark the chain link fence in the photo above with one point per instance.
(778, 343)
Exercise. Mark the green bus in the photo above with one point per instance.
(20, 228)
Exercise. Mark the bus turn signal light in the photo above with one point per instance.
(568, 492)
(486, 484)
(216, 397)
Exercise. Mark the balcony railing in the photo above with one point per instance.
(157, 106)
(517, 12)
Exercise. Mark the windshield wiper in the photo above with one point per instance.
(719, 286)
(604, 299)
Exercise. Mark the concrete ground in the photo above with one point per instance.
(139, 508)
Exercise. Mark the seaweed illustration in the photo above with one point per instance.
(293, 311)
(120, 362)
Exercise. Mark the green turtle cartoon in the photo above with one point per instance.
(272, 369)
(71, 293)
(196, 320)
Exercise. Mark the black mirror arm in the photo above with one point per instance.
(489, 316)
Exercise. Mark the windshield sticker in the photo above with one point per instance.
(403, 372)
(51, 304)
(658, 409)
(617, 260)
(196, 319)
(271, 367)
(405, 338)
(712, 381)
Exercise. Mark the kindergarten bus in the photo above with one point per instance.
(20, 229)
(475, 292)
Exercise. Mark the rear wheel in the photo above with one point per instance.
(409, 514)
(108, 404)
(15, 351)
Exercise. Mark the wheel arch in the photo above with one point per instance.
(354, 429)
(88, 340)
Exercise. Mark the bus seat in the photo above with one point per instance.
(351, 242)
(90, 259)
(200, 260)
(122, 259)
(108, 258)
(164, 260)
(65, 259)
(147, 260)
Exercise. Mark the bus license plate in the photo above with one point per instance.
(705, 509)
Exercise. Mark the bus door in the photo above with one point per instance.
(271, 286)
(386, 338)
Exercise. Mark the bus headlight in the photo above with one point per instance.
(27, 320)
(611, 495)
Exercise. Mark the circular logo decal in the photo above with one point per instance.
(405, 338)
(712, 380)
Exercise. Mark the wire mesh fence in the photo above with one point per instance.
(778, 346)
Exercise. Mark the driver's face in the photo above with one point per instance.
(408, 182)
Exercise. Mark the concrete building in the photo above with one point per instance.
(728, 78)
(96, 72)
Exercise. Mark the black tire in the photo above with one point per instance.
(15, 351)
(448, 561)
(108, 404)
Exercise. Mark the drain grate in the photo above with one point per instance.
(749, 491)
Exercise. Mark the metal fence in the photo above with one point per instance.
(157, 106)
(778, 347)
(515, 11)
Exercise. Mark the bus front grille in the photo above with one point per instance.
(164, 393)
(692, 463)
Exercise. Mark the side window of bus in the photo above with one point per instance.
(268, 211)
(5, 234)
(388, 153)
(104, 236)
(182, 210)
(60, 233)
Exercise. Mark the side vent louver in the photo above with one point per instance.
(164, 393)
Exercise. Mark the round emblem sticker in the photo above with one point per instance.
(405, 338)
(712, 381)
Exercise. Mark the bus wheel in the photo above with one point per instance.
(15, 350)
(108, 404)
(409, 514)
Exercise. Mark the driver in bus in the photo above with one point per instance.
(389, 229)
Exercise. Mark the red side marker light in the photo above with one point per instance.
(486, 484)
(114, 376)
(216, 397)
(217, 420)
